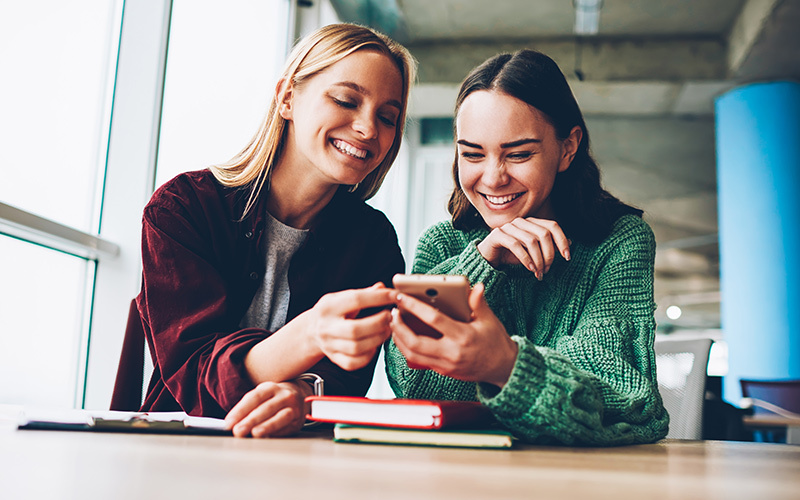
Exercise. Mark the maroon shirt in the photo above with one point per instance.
(202, 267)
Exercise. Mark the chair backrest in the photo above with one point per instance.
(782, 393)
(681, 366)
(127, 395)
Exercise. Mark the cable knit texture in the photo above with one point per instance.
(585, 373)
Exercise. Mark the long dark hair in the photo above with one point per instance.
(585, 211)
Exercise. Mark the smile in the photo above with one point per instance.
(501, 200)
(349, 149)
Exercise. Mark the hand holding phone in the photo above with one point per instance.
(447, 293)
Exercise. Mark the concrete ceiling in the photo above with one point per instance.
(646, 83)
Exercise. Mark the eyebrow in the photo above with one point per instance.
(504, 145)
(361, 90)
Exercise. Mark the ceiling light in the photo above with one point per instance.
(587, 16)
(674, 312)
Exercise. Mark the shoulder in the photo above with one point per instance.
(444, 234)
(631, 240)
(184, 187)
(630, 229)
(194, 199)
(192, 191)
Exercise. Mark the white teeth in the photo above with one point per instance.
(349, 149)
(500, 200)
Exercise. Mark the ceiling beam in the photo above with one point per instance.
(746, 30)
(598, 59)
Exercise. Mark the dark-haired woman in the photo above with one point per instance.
(560, 344)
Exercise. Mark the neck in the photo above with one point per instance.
(546, 211)
(296, 200)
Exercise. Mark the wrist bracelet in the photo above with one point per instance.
(318, 387)
(315, 381)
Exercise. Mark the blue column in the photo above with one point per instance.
(758, 176)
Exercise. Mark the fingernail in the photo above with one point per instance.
(567, 254)
(539, 276)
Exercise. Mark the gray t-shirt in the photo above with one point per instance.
(270, 305)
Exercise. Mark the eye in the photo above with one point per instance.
(343, 103)
(520, 155)
(470, 156)
(387, 120)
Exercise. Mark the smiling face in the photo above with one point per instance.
(342, 121)
(508, 157)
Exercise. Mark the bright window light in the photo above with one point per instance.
(587, 16)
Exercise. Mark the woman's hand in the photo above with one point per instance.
(477, 351)
(331, 328)
(337, 332)
(531, 242)
(271, 409)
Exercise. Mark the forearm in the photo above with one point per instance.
(283, 355)
(549, 399)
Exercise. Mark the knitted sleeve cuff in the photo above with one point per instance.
(478, 270)
(522, 390)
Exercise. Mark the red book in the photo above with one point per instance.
(404, 413)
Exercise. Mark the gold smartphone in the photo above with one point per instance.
(447, 293)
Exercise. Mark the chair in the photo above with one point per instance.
(785, 394)
(127, 394)
(769, 399)
(681, 366)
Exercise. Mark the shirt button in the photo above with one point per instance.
(254, 276)
(248, 234)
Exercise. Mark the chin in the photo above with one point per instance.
(350, 177)
(494, 221)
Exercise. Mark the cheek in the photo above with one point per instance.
(468, 175)
(387, 139)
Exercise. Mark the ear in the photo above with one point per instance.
(284, 93)
(570, 145)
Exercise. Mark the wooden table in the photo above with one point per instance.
(771, 421)
(66, 465)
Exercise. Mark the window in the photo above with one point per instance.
(76, 175)
(57, 59)
(223, 62)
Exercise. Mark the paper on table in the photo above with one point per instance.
(116, 420)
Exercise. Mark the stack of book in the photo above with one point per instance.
(465, 424)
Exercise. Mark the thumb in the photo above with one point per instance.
(477, 301)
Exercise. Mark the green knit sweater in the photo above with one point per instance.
(585, 373)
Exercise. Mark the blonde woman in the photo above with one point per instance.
(262, 275)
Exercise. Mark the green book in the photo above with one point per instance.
(457, 438)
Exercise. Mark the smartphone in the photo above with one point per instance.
(447, 293)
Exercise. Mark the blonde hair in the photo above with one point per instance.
(316, 52)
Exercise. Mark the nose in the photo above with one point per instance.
(365, 124)
(495, 173)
